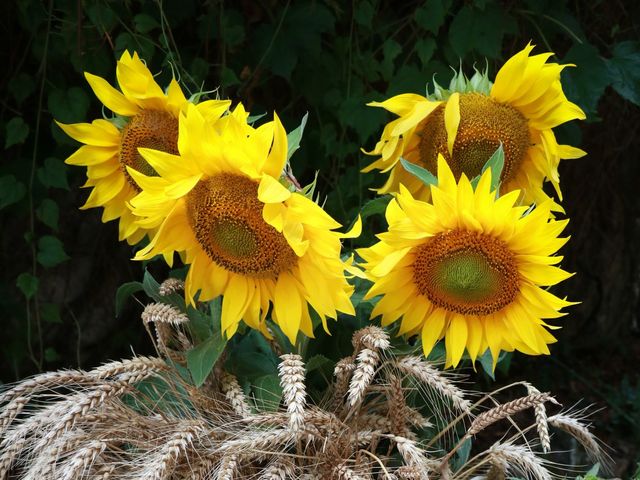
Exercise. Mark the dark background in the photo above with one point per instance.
(60, 267)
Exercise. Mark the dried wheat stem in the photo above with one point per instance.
(163, 313)
(292, 374)
(203, 469)
(505, 410)
(85, 402)
(342, 371)
(169, 286)
(131, 370)
(520, 459)
(166, 459)
(411, 453)
(371, 337)
(233, 392)
(367, 362)
(11, 411)
(342, 472)
(581, 433)
(541, 421)
(434, 378)
(44, 381)
(82, 460)
(397, 406)
(410, 472)
(281, 469)
(228, 467)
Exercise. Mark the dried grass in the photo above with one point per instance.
(100, 424)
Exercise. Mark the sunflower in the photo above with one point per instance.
(243, 234)
(469, 268)
(468, 122)
(147, 118)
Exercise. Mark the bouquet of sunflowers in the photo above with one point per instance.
(241, 386)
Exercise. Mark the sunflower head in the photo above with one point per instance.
(468, 121)
(222, 204)
(145, 117)
(470, 267)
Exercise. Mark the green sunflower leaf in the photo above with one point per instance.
(295, 136)
(421, 173)
(496, 164)
(268, 392)
(124, 292)
(201, 359)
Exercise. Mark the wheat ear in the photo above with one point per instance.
(362, 377)
(434, 378)
(521, 459)
(505, 410)
(233, 392)
(294, 394)
(541, 421)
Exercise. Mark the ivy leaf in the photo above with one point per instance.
(124, 292)
(425, 48)
(48, 213)
(53, 174)
(201, 359)
(50, 251)
(11, 190)
(624, 69)
(145, 23)
(363, 14)
(586, 83)
(28, 284)
(16, 132)
(69, 105)
(496, 164)
(432, 14)
(50, 313)
(21, 87)
(480, 31)
(294, 137)
(421, 173)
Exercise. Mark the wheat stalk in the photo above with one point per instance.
(292, 373)
(434, 378)
(505, 410)
(163, 313)
(169, 286)
(234, 394)
(542, 425)
(371, 337)
(227, 467)
(82, 461)
(520, 459)
(578, 430)
(166, 459)
(363, 374)
(281, 469)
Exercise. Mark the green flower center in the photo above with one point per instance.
(149, 129)
(484, 124)
(466, 272)
(226, 217)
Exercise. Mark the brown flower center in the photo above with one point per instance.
(484, 123)
(466, 272)
(149, 129)
(226, 217)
